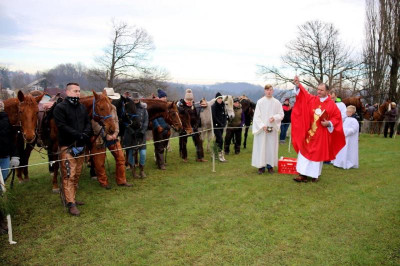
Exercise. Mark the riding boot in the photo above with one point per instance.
(161, 163)
(142, 174)
(134, 174)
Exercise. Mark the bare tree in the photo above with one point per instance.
(376, 60)
(317, 55)
(390, 16)
(125, 63)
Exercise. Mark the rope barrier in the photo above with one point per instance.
(140, 145)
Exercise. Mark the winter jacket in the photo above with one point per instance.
(391, 115)
(287, 113)
(219, 114)
(73, 123)
(134, 137)
(195, 121)
(238, 120)
(8, 148)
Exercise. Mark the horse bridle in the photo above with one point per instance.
(174, 126)
(129, 115)
(102, 118)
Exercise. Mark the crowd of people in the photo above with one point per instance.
(323, 129)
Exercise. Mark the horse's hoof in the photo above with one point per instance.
(55, 190)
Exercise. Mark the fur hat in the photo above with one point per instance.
(161, 93)
(1, 106)
(135, 95)
(189, 95)
(218, 95)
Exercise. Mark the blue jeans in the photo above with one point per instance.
(160, 122)
(131, 158)
(284, 128)
(4, 163)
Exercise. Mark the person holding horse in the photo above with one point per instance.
(390, 120)
(219, 117)
(266, 124)
(161, 133)
(9, 157)
(287, 111)
(234, 130)
(101, 141)
(187, 105)
(74, 131)
(135, 138)
(317, 131)
(348, 156)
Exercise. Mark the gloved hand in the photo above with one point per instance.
(14, 162)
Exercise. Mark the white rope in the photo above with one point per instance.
(140, 145)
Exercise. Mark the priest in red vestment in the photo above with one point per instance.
(317, 131)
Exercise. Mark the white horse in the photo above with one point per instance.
(206, 117)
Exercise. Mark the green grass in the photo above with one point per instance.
(189, 215)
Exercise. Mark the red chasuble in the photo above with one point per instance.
(308, 135)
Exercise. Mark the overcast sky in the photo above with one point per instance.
(199, 42)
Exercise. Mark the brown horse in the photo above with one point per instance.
(248, 108)
(98, 107)
(169, 111)
(356, 102)
(23, 114)
(378, 117)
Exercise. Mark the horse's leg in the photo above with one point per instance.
(245, 137)
(21, 150)
(26, 155)
(52, 151)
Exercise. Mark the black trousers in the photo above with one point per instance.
(198, 143)
(218, 138)
(388, 126)
(236, 134)
(160, 145)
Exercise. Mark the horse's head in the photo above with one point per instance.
(228, 100)
(129, 114)
(101, 112)
(173, 116)
(28, 109)
(185, 118)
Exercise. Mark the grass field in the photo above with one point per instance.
(189, 215)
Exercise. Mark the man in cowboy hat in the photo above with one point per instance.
(110, 141)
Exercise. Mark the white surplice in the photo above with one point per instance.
(348, 156)
(265, 145)
(342, 109)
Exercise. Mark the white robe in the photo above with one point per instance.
(348, 156)
(265, 145)
(342, 109)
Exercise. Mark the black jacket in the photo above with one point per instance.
(218, 114)
(195, 121)
(133, 137)
(72, 121)
(7, 147)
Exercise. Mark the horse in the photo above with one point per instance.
(98, 107)
(248, 108)
(207, 128)
(378, 117)
(23, 115)
(360, 108)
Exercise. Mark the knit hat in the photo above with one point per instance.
(218, 95)
(161, 93)
(236, 99)
(189, 95)
(1, 106)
